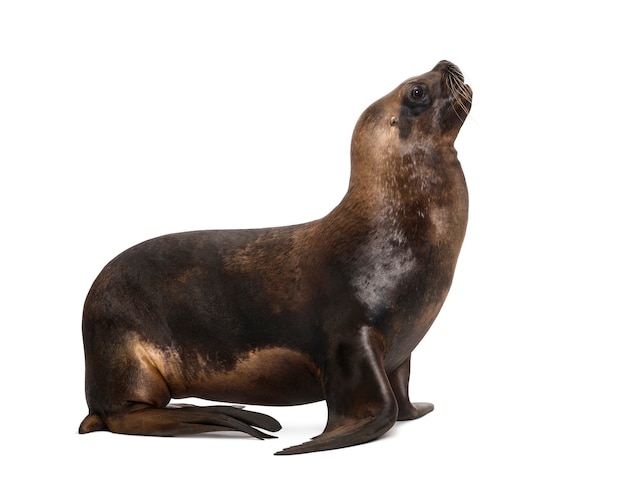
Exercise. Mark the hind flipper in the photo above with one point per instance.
(251, 418)
(174, 421)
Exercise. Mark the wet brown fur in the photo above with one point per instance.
(330, 309)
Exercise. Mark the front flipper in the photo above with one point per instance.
(361, 403)
(399, 380)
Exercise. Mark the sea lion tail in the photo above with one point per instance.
(92, 423)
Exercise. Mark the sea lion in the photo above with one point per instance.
(329, 309)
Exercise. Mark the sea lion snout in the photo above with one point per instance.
(451, 69)
(453, 82)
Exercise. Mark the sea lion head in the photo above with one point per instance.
(415, 124)
(433, 105)
(426, 110)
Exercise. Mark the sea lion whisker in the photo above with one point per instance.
(458, 86)
(465, 93)
(460, 93)
(458, 115)
(458, 102)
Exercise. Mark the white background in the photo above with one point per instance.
(124, 120)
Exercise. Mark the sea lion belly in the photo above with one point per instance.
(270, 376)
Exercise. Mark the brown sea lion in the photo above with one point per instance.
(330, 309)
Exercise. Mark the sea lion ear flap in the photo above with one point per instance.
(393, 121)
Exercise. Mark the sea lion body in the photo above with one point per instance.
(330, 309)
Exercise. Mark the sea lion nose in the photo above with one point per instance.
(450, 68)
(443, 64)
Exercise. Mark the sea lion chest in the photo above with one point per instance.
(403, 270)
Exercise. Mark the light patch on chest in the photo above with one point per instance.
(382, 265)
(440, 220)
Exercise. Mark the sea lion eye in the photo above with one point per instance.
(416, 99)
(417, 93)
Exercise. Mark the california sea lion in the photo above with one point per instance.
(329, 309)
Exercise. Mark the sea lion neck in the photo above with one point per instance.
(386, 171)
